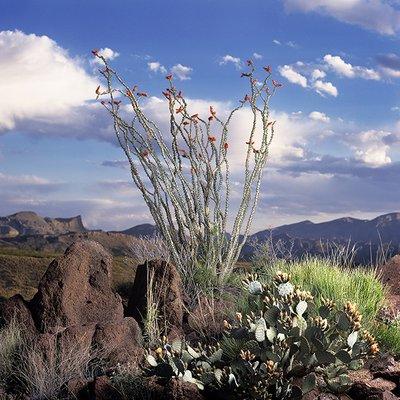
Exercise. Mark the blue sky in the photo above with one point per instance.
(338, 134)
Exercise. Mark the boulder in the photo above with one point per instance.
(76, 289)
(166, 286)
(119, 342)
(17, 309)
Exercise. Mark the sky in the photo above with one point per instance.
(336, 150)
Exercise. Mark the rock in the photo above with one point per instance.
(363, 391)
(119, 342)
(16, 308)
(77, 388)
(76, 289)
(104, 390)
(167, 291)
(385, 362)
(179, 390)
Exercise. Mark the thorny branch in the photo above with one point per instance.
(184, 176)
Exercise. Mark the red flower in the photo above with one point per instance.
(210, 118)
(249, 63)
(185, 123)
(194, 116)
(179, 110)
(212, 111)
(95, 52)
(168, 77)
(268, 69)
(142, 94)
(212, 138)
(167, 95)
(276, 84)
(144, 153)
(226, 145)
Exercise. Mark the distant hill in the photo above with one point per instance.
(27, 230)
(142, 230)
(30, 223)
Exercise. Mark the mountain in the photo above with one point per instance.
(142, 230)
(27, 230)
(30, 223)
(385, 228)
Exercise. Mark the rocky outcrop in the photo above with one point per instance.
(76, 306)
(76, 290)
(166, 287)
(30, 223)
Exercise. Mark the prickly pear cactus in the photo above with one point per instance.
(284, 337)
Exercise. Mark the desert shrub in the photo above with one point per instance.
(184, 176)
(328, 279)
(131, 385)
(388, 336)
(10, 344)
(286, 335)
(148, 248)
(43, 374)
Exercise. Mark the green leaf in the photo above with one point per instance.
(260, 330)
(192, 352)
(271, 315)
(343, 323)
(309, 383)
(151, 360)
(177, 345)
(324, 311)
(271, 334)
(343, 356)
(301, 307)
(325, 357)
(352, 339)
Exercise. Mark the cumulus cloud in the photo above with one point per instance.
(317, 74)
(319, 116)
(257, 56)
(325, 88)
(156, 66)
(378, 15)
(389, 64)
(228, 59)
(293, 76)
(371, 147)
(42, 81)
(107, 53)
(181, 71)
(337, 64)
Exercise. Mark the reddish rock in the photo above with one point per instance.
(364, 391)
(76, 289)
(167, 289)
(104, 390)
(119, 341)
(179, 390)
(16, 308)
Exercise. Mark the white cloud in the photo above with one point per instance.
(293, 76)
(378, 15)
(275, 41)
(236, 61)
(41, 80)
(107, 53)
(338, 65)
(317, 74)
(325, 88)
(319, 116)
(371, 147)
(257, 56)
(155, 66)
(181, 71)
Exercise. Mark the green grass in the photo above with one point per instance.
(326, 278)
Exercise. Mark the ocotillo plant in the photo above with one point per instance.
(184, 174)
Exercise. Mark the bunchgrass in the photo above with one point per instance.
(327, 278)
